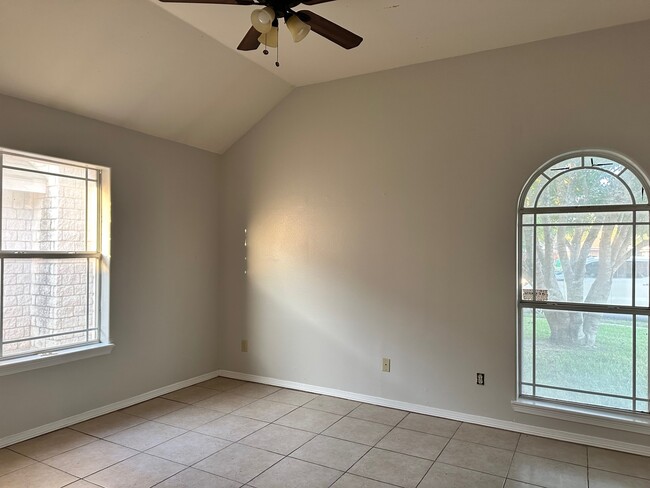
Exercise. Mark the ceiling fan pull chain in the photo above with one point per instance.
(277, 54)
(266, 50)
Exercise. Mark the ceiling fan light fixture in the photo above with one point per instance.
(262, 19)
(298, 28)
(270, 39)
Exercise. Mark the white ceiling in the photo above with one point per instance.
(403, 32)
(172, 71)
(130, 63)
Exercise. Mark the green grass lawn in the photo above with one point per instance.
(607, 368)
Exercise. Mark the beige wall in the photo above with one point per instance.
(381, 214)
(164, 266)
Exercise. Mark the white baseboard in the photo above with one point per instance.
(384, 402)
(97, 412)
(449, 414)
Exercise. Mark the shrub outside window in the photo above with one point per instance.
(53, 255)
(583, 290)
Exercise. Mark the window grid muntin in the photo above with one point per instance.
(96, 256)
(633, 310)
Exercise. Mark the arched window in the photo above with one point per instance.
(584, 294)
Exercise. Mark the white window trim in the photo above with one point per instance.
(104, 346)
(629, 422)
(52, 358)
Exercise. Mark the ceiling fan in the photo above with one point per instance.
(300, 23)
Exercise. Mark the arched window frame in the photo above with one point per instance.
(537, 301)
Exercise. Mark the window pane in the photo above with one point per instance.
(588, 218)
(640, 194)
(642, 357)
(588, 186)
(531, 196)
(45, 297)
(584, 351)
(526, 341)
(642, 272)
(527, 263)
(590, 264)
(526, 390)
(585, 398)
(43, 212)
(563, 166)
(92, 217)
(22, 162)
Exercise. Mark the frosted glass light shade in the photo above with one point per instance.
(298, 28)
(262, 19)
(270, 39)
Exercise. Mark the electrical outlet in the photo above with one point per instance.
(385, 365)
(244, 345)
(480, 379)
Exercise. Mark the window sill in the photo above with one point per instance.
(27, 363)
(629, 422)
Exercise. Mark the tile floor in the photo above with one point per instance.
(225, 433)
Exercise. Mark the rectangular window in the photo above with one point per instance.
(53, 256)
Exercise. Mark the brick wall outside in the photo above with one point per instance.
(44, 297)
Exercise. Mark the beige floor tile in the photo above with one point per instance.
(339, 406)
(547, 472)
(518, 484)
(51, 444)
(231, 427)
(255, 390)
(503, 439)
(605, 479)
(378, 414)
(619, 462)
(357, 430)
(330, 452)
(354, 481)
(308, 419)
(81, 484)
(221, 384)
(141, 471)
(193, 478)
(278, 439)
(413, 443)
(265, 410)
(154, 408)
(392, 467)
(552, 449)
(191, 394)
(447, 476)
(190, 417)
(188, 448)
(11, 461)
(292, 473)
(36, 475)
(145, 436)
(292, 397)
(486, 459)
(86, 460)
(109, 424)
(429, 425)
(225, 402)
(238, 462)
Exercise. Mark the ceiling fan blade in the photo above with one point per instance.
(250, 41)
(315, 2)
(330, 30)
(221, 2)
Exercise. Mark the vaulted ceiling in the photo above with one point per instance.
(172, 71)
